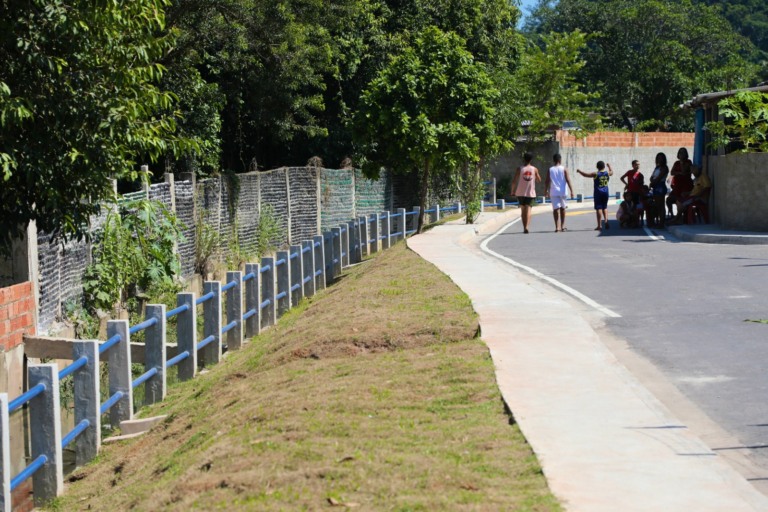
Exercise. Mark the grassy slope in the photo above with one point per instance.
(374, 393)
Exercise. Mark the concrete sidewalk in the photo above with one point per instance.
(604, 441)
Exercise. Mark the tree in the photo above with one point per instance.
(646, 57)
(79, 106)
(430, 110)
(547, 83)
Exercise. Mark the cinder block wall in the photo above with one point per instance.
(737, 200)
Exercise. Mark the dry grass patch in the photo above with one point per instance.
(372, 395)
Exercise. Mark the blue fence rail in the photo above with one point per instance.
(255, 299)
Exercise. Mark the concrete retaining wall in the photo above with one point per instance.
(738, 199)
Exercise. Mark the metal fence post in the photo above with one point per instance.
(319, 247)
(297, 275)
(252, 287)
(374, 233)
(338, 247)
(87, 396)
(186, 335)
(235, 310)
(155, 356)
(283, 272)
(268, 292)
(6, 501)
(211, 353)
(386, 224)
(45, 432)
(308, 259)
(120, 378)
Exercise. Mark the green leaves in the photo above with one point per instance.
(79, 105)
(746, 122)
(134, 252)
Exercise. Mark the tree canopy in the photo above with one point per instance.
(646, 57)
(79, 105)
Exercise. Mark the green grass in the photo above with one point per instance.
(373, 394)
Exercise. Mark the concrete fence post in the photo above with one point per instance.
(186, 335)
(336, 262)
(386, 235)
(283, 271)
(155, 357)
(458, 206)
(252, 287)
(344, 232)
(579, 198)
(211, 353)
(436, 216)
(319, 248)
(87, 398)
(401, 224)
(308, 257)
(45, 432)
(235, 310)
(415, 217)
(120, 379)
(374, 233)
(493, 189)
(328, 246)
(501, 204)
(365, 239)
(355, 244)
(6, 501)
(297, 275)
(269, 311)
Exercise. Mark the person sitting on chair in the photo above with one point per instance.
(699, 194)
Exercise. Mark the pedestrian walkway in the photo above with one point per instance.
(605, 442)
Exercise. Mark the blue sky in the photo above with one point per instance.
(525, 5)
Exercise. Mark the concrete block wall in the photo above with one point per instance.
(248, 207)
(737, 200)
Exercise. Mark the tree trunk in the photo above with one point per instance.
(423, 189)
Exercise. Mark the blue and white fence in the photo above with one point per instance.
(255, 299)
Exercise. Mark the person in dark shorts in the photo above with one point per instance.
(601, 178)
(524, 188)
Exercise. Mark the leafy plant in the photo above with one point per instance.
(268, 232)
(746, 122)
(207, 241)
(135, 253)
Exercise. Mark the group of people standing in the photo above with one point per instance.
(643, 202)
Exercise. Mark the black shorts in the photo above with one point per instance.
(526, 201)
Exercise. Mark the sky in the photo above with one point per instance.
(525, 5)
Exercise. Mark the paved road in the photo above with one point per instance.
(681, 306)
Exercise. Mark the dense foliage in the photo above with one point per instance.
(90, 90)
(79, 105)
(646, 57)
